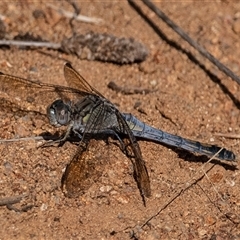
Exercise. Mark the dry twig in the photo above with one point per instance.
(78, 17)
(228, 135)
(128, 91)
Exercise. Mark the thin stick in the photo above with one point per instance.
(11, 200)
(37, 138)
(205, 173)
(185, 36)
(30, 44)
(78, 17)
(228, 135)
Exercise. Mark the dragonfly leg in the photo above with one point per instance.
(59, 141)
(77, 134)
(114, 133)
(123, 146)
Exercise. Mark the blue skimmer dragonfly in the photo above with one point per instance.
(87, 113)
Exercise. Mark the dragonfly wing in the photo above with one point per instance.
(84, 169)
(140, 170)
(81, 172)
(33, 95)
(75, 80)
(104, 117)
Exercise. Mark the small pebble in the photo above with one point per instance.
(202, 232)
(236, 26)
(43, 207)
(106, 188)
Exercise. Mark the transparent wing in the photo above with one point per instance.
(75, 80)
(101, 118)
(140, 170)
(34, 95)
(81, 172)
(85, 168)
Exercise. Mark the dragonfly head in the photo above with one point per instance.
(59, 113)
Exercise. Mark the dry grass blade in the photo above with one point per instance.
(79, 17)
(36, 138)
(228, 135)
(30, 44)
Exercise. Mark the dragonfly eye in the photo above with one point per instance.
(58, 113)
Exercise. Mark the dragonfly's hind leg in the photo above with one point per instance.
(115, 134)
(122, 145)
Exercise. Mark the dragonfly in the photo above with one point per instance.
(87, 113)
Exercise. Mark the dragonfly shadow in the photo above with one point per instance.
(16, 109)
(191, 157)
(183, 154)
(73, 138)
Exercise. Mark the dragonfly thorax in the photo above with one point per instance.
(59, 113)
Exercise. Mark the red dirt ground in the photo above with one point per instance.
(192, 99)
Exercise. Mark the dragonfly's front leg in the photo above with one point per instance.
(62, 139)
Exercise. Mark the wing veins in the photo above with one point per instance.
(75, 80)
(139, 166)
